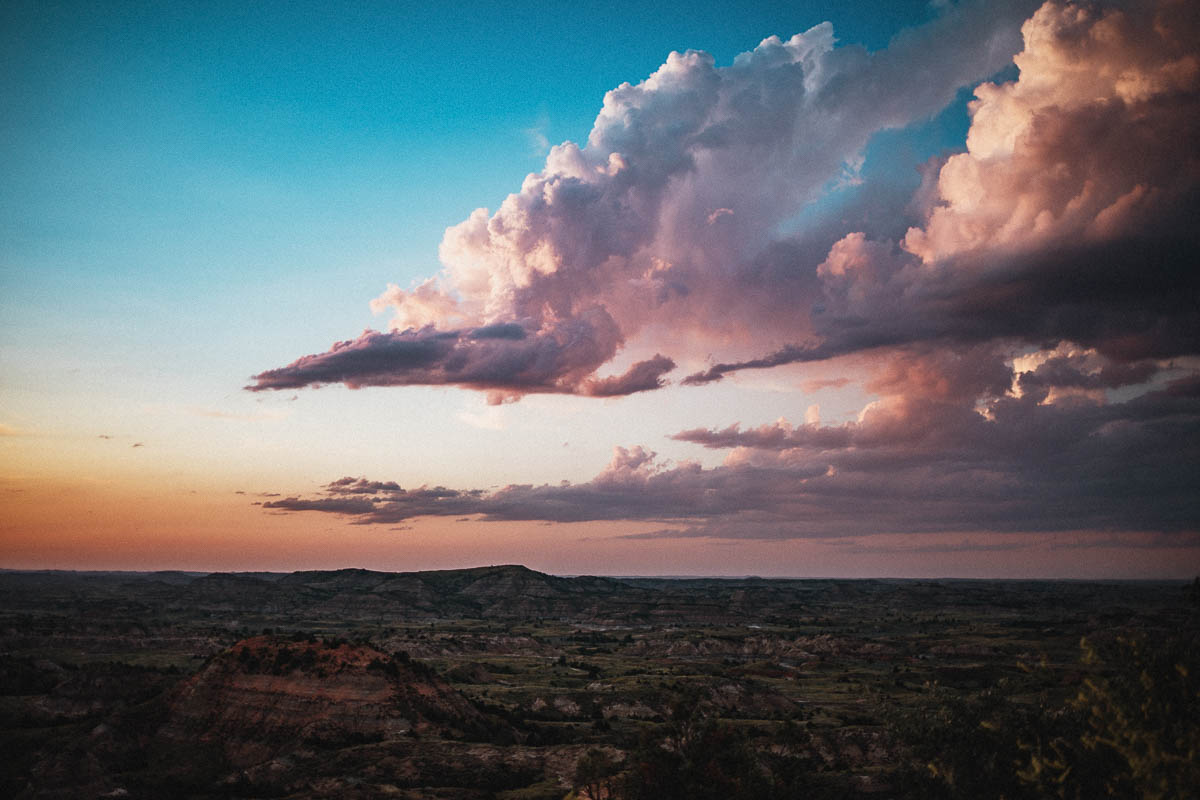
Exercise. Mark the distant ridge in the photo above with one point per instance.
(317, 599)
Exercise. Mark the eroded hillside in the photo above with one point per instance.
(504, 682)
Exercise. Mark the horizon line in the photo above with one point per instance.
(671, 577)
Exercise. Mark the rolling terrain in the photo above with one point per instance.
(505, 682)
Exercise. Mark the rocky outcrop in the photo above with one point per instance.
(268, 695)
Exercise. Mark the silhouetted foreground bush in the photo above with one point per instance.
(1131, 731)
(697, 757)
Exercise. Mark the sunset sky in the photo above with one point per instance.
(804, 289)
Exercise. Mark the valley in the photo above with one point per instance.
(502, 682)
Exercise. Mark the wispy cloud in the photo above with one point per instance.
(925, 459)
(506, 359)
(536, 134)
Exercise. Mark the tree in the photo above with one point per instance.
(1130, 732)
(968, 746)
(696, 758)
(595, 775)
(1140, 724)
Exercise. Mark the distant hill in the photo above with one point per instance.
(507, 592)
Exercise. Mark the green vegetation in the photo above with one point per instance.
(501, 683)
(1131, 730)
(1136, 725)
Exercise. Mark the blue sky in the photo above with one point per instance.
(192, 194)
(184, 182)
(153, 149)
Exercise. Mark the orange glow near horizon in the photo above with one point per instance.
(816, 334)
(117, 527)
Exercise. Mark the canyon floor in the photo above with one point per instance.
(502, 682)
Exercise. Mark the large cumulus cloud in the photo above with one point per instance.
(666, 216)
(1071, 214)
(1031, 334)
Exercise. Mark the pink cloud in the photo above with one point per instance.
(665, 216)
(1091, 142)
(1031, 340)
(1070, 216)
(947, 448)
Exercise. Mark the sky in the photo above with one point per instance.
(806, 289)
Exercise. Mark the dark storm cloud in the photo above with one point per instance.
(1132, 299)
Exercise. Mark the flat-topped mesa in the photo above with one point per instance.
(444, 581)
(350, 578)
(269, 695)
(505, 591)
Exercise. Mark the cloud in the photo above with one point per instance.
(642, 376)
(632, 487)
(946, 449)
(504, 358)
(1124, 82)
(1142, 542)
(538, 142)
(1028, 321)
(962, 546)
(1070, 215)
(666, 216)
(361, 486)
(337, 505)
